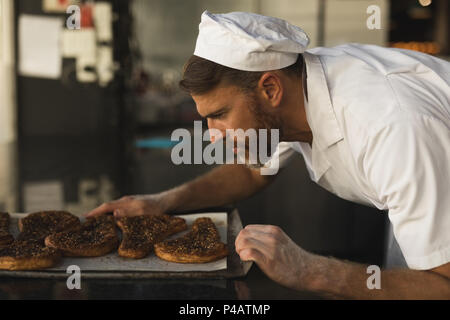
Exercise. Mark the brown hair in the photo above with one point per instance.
(201, 76)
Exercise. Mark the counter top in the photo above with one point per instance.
(254, 286)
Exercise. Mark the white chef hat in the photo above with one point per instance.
(249, 41)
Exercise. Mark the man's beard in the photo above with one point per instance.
(263, 120)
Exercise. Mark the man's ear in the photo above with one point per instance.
(270, 88)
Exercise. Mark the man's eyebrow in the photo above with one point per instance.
(216, 113)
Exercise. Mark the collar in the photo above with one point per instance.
(320, 114)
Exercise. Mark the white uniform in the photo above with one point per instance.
(380, 120)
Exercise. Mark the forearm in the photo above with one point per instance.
(342, 279)
(220, 186)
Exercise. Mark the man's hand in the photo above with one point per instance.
(289, 265)
(130, 206)
(275, 253)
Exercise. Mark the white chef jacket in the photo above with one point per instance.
(380, 120)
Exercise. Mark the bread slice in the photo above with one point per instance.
(29, 251)
(140, 233)
(37, 226)
(94, 238)
(5, 237)
(200, 245)
(28, 255)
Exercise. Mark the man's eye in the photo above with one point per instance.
(222, 114)
(217, 116)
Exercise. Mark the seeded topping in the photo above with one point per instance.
(5, 237)
(27, 249)
(144, 231)
(4, 234)
(202, 239)
(94, 231)
(37, 226)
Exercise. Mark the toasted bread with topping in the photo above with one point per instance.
(93, 238)
(140, 233)
(200, 245)
(37, 226)
(28, 255)
(5, 237)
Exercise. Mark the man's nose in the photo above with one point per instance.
(212, 138)
(215, 135)
(214, 132)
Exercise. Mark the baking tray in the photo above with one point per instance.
(235, 268)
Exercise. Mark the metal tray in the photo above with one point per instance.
(235, 267)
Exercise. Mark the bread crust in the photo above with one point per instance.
(140, 233)
(14, 264)
(94, 238)
(29, 251)
(200, 245)
(219, 253)
(28, 255)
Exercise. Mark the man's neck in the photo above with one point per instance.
(295, 122)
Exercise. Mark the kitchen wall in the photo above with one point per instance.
(166, 29)
(346, 21)
(8, 132)
(71, 133)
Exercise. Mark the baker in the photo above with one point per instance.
(372, 124)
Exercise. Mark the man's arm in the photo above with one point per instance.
(221, 186)
(288, 264)
(348, 280)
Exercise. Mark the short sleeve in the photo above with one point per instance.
(408, 166)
